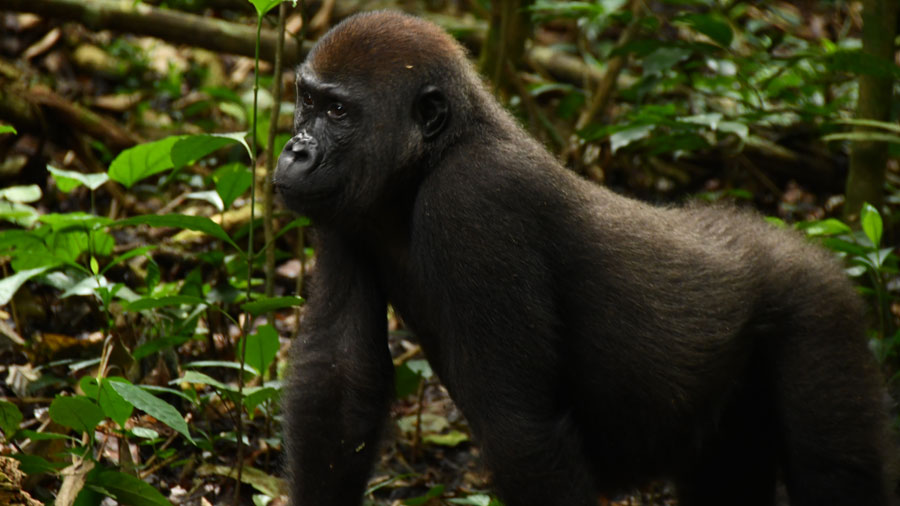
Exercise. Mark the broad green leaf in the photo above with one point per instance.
(167, 301)
(264, 305)
(143, 161)
(126, 489)
(264, 6)
(20, 214)
(11, 284)
(254, 398)
(10, 418)
(7, 129)
(90, 386)
(871, 223)
(190, 148)
(196, 223)
(113, 404)
(828, 226)
(203, 379)
(665, 58)
(78, 413)
(32, 465)
(625, 137)
(68, 179)
(79, 220)
(21, 194)
(261, 348)
(232, 181)
(219, 363)
(153, 406)
(711, 25)
(144, 433)
(406, 381)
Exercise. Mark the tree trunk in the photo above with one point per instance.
(868, 159)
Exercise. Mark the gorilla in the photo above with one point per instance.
(593, 342)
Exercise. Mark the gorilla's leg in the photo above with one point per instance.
(828, 403)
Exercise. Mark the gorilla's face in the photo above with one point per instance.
(354, 143)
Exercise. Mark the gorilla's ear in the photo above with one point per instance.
(432, 111)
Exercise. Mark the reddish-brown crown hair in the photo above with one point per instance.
(382, 45)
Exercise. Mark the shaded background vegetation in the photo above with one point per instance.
(145, 265)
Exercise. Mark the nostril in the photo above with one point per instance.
(302, 156)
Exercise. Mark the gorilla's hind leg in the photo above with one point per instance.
(830, 404)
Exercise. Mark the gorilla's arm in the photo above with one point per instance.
(341, 380)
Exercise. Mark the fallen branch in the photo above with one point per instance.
(166, 24)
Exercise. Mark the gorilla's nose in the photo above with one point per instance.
(300, 156)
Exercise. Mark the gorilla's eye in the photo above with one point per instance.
(336, 110)
(306, 98)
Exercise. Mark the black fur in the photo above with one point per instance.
(593, 342)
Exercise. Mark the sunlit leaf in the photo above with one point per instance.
(68, 179)
(11, 284)
(190, 148)
(21, 194)
(7, 129)
(871, 223)
(143, 161)
(208, 196)
(264, 6)
(828, 226)
(623, 138)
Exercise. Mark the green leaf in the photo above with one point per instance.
(203, 379)
(167, 301)
(871, 223)
(261, 348)
(153, 406)
(258, 396)
(625, 137)
(78, 413)
(826, 227)
(266, 304)
(190, 148)
(127, 256)
(433, 493)
(232, 181)
(450, 439)
(90, 386)
(11, 284)
(68, 179)
(7, 129)
(143, 161)
(264, 6)
(664, 58)
(126, 489)
(21, 194)
(10, 418)
(711, 25)
(195, 223)
(32, 465)
(113, 404)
